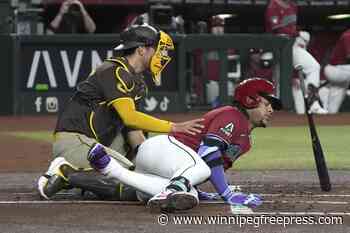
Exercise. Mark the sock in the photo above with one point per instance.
(112, 169)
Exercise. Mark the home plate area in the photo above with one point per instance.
(278, 199)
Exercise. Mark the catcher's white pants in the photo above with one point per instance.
(159, 159)
(339, 76)
(311, 69)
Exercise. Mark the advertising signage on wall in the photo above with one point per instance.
(36, 103)
(59, 68)
(49, 70)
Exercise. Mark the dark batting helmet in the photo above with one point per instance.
(249, 92)
(138, 35)
(146, 35)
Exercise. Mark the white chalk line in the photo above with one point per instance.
(261, 194)
(139, 203)
(73, 202)
(303, 195)
(287, 185)
(286, 202)
(303, 213)
(311, 202)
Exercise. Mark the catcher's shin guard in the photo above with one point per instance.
(103, 187)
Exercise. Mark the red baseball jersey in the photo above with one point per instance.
(281, 19)
(341, 49)
(226, 123)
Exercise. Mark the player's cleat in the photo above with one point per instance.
(171, 201)
(55, 179)
(98, 157)
(316, 108)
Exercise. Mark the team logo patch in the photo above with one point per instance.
(228, 129)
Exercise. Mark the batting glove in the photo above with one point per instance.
(251, 200)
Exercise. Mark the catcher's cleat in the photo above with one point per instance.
(55, 179)
(171, 201)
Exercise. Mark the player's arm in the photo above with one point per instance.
(211, 151)
(118, 89)
(132, 118)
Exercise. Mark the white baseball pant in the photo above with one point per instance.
(159, 159)
(311, 69)
(339, 77)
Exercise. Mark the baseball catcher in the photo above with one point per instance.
(104, 105)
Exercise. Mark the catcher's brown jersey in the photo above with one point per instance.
(90, 110)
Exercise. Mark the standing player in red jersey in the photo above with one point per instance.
(338, 72)
(281, 19)
(169, 166)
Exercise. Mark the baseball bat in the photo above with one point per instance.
(321, 165)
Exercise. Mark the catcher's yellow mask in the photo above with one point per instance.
(161, 57)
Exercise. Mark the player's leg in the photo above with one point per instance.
(183, 166)
(110, 167)
(66, 150)
(70, 151)
(339, 78)
(154, 186)
(339, 74)
(298, 97)
(335, 98)
(102, 187)
(165, 156)
(311, 69)
(324, 95)
(174, 164)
